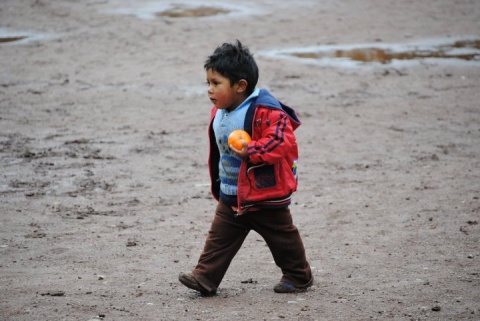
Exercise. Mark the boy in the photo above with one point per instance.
(252, 185)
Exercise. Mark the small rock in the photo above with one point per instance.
(436, 308)
(54, 293)
(131, 243)
(463, 229)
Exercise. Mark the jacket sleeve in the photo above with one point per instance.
(273, 137)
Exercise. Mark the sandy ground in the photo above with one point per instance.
(104, 194)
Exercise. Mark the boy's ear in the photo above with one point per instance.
(242, 86)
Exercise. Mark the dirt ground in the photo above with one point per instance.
(104, 194)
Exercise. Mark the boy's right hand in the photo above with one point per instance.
(242, 153)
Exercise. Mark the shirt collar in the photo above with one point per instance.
(249, 99)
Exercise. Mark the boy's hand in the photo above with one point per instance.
(242, 153)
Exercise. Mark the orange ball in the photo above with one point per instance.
(237, 137)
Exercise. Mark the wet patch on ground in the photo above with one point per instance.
(186, 12)
(433, 50)
(10, 36)
(184, 9)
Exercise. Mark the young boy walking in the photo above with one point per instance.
(252, 185)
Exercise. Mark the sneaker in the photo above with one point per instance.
(190, 282)
(284, 287)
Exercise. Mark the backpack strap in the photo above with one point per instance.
(248, 124)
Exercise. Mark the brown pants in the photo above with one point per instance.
(228, 232)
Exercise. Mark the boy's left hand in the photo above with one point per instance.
(242, 153)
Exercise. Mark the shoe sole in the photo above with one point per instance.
(194, 285)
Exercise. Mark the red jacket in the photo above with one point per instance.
(268, 176)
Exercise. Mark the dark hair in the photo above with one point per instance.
(235, 62)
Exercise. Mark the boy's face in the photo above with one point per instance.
(222, 94)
